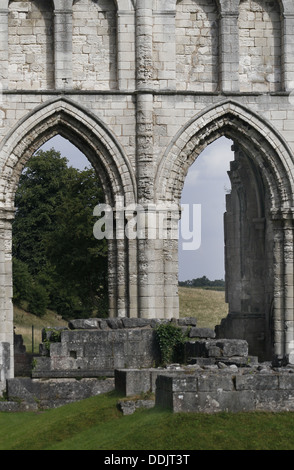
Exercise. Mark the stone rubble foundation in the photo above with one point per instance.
(218, 374)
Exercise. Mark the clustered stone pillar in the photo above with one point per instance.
(157, 254)
(6, 288)
(283, 288)
(144, 114)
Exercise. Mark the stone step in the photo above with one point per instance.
(74, 373)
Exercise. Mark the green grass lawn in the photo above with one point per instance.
(96, 424)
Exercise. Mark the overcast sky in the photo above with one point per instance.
(206, 184)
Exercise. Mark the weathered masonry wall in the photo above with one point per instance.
(96, 351)
(142, 87)
(215, 391)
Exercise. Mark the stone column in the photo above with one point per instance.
(170, 252)
(283, 288)
(6, 285)
(63, 48)
(288, 283)
(287, 56)
(121, 254)
(147, 265)
(229, 52)
(5, 365)
(112, 279)
(278, 290)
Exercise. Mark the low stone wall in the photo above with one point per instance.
(95, 352)
(97, 347)
(33, 394)
(221, 376)
(130, 382)
(96, 356)
(210, 391)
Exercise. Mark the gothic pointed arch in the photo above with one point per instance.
(254, 134)
(258, 220)
(84, 130)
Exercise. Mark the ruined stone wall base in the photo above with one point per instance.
(245, 326)
(32, 394)
(211, 391)
(217, 375)
(93, 347)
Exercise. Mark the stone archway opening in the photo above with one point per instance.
(258, 223)
(242, 240)
(68, 277)
(206, 185)
(91, 136)
(247, 243)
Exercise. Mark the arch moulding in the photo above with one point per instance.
(235, 121)
(83, 129)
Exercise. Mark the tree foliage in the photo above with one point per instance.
(171, 342)
(204, 283)
(58, 264)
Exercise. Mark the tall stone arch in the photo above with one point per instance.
(92, 137)
(263, 192)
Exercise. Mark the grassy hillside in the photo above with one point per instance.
(208, 306)
(23, 322)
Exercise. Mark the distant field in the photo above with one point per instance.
(207, 306)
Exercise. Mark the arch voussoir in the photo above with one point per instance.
(83, 129)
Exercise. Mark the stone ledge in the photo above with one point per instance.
(127, 323)
(16, 406)
(71, 374)
(210, 391)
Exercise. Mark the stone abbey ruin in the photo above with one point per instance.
(141, 87)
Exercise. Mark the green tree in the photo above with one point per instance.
(22, 281)
(74, 252)
(53, 238)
